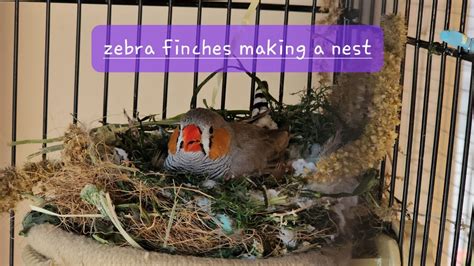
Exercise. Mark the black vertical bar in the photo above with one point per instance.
(12, 238)
(46, 73)
(407, 10)
(437, 130)
(341, 20)
(470, 244)
(421, 154)
(382, 178)
(11, 250)
(447, 178)
(167, 62)
(137, 62)
(348, 6)
(77, 61)
(309, 83)
(393, 176)
(106, 74)
(384, 7)
(15, 79)
(285, 34)
(372, 12)
(411, 126)
(11, 253)
(395, 7)
(196, 60)
(452, 129)
(464, 164)
(224, 74)
(254, 61)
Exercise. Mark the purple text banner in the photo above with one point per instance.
(264, 48)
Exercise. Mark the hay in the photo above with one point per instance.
(14, 182)
(370, 111)
(242, 217)
(95, 191)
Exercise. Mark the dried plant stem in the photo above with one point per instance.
(39, 209)
(110, 210)
(172, 214)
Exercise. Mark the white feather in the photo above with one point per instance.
(205, 139)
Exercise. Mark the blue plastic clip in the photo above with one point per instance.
(455, 38)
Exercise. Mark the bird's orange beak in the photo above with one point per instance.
(191, 138)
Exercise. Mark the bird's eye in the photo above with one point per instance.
(211, 130)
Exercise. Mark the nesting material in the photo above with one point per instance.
(51, 246)
(368, 105)
(127, 203)
(15, 182)
(109, 186)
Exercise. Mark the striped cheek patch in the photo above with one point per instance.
(220, 144)
(173, 141)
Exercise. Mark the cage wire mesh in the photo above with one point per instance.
(428, 175)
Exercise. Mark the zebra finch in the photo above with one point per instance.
(206, 144)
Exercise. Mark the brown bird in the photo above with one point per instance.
(206, 144)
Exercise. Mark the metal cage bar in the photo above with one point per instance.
(106, 74)
(11, 251)
(452, 128)
(447, 179)
(75, 108)
(372, 11)
(439, 48)
(393, 174)
(46, 73)
(283, 61)
(195, 3)
(254, 60)
(227, 36)
(310, 61)
(437, 131)
(382, 170)
(196, 62)
(470, 241)
(167, 62)
(137, 62)
(411, 125)
(465, 157)
(424, 121)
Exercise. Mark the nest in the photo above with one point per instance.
(108, 185)
(242, 217)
